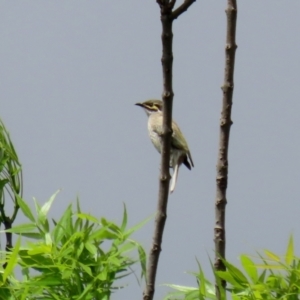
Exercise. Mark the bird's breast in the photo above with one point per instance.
(154, 130)
(156, 140)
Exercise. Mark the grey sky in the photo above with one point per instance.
(70, 74)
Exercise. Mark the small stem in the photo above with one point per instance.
(182, 8)
(16, 209)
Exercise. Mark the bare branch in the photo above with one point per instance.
(172, 4)
(225, 124)
(182, 8)
(167, 96)
(166, 5)
(167, 17)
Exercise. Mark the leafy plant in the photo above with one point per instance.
(81, 257)
(279, 278)
(10, 181)
(269, 277)
(205, 289)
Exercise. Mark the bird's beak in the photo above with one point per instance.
(139, 104)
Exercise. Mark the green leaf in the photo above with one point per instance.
(40, 249)
(136, 227)
(78, 205)
(124, 221)
(143, 260)
(32, 235)
(79, 250)
(289, 256)
(48, 239)
(249, 267)
(202, 282)
(258, 295)
(3, 182)
(25, 209)
(22, 228)
(45, 208)
(236, 273)
(102, 275)
(194, 295)
(87, 217)
(102, 234)
(86, 269)
(78, 224)
(113, 227)
(235, 297)
(181, 288)
(43, 211)
(91, 248)
(37, 205)
(13, 258)
(272, 256)
(271, 267)
(62, 229)
(227, 276)
(84, 293)
(262, 276)
(50, 280)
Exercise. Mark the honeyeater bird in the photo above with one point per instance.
(180, 153)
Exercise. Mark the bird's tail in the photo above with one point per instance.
(174, 178)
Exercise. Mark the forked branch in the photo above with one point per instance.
(182, 8)
(166, 7)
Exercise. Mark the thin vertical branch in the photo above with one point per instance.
(225, 124)
(167, 96)
(166, 7)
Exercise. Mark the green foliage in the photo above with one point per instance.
(10, 174)
(80, 257)
(269, 277)
(205, 289)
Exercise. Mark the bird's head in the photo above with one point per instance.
(151, 106)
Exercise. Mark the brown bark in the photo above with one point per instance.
(225, 124)
(167, 17)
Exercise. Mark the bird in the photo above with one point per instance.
(179, 152)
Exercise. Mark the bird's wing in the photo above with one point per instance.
(179, 142)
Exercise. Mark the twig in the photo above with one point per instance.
(225, 124)
(16, 209)
(182, 8)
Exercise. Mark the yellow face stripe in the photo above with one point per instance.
(152, 108)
